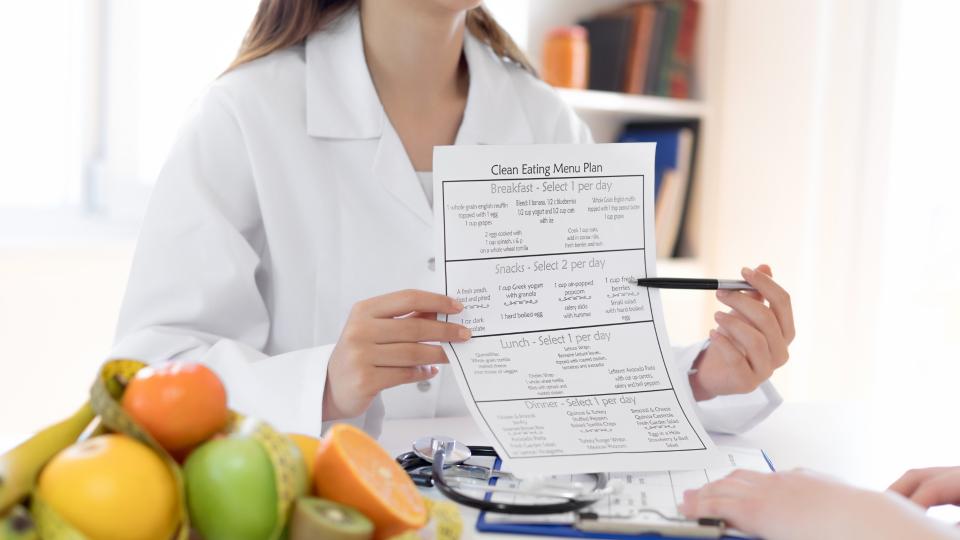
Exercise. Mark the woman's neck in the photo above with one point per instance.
(414, 48)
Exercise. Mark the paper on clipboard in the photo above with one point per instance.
(569, 368)
(658, 490)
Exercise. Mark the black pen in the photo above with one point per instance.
(692, 283)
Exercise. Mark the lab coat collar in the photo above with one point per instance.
(342, 102)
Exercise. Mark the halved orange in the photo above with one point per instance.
(352, 469)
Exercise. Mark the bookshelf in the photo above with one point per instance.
(688, 315)
(607, 112)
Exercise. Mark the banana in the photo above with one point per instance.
(17, 525)
(19, 467)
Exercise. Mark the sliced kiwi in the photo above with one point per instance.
(315, 518)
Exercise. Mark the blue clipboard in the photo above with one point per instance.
(568, 531)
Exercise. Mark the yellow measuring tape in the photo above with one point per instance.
(445, 522)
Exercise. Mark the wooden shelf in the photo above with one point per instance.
(633, 106)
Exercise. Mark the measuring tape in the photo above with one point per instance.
(444, 523)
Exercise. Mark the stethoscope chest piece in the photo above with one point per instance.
(454, 451)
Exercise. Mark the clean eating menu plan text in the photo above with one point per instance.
(569, 368)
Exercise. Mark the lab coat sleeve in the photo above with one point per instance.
(728, 414)
(194, 290)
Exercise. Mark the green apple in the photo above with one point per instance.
(231, 492)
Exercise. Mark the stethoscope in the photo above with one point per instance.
(440, 462)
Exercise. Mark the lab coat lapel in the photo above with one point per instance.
(342, 103)
(392, 167)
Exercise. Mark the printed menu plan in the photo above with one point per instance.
(569, 368)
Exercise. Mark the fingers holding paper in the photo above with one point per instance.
(385, 343)
(750, 341)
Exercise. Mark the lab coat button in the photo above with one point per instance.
(424, 386)
(432, 264)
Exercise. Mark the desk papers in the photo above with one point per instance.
(641, 491)
(569, 368)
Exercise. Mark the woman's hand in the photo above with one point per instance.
(381, 347)
(930, 487)
(799, 504)
(751, 340)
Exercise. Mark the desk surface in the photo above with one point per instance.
(869, 445)
(864, 444)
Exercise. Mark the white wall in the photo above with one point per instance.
(790, 105)
(837, 134)
(61, 283)
(916, 338)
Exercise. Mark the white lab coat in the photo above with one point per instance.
(287, 198)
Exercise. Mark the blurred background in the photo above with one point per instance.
(816, 136)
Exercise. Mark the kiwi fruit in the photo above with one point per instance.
(315, 518)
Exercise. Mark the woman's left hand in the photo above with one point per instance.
(751, 340)
(800, 504)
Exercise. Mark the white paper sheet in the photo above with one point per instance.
(569, 368)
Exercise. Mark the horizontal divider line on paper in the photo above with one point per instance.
(701, 449)
(545, 254)
(669, 388)
(475, 336)
(511, 179)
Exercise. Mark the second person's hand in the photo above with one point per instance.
(382, 345)
(930, 487)
(798, 505)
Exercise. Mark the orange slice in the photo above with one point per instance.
(352, 469)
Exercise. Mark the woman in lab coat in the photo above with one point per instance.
(288, 244)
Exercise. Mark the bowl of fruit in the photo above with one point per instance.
(156, 454)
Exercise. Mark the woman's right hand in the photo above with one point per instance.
(382, 346)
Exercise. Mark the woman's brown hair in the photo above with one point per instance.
(281, 23)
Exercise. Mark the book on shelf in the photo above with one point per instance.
(645, 47)
(608, 37)
(673, 176)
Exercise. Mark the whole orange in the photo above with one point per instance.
(181, 404)
(112, 488)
